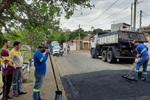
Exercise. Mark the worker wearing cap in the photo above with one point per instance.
(143, 60)
(40, 70)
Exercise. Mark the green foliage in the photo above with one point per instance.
(14, 36)
(27, 54)
(35, 21)
(41, 14)
(57, 36)
(97, 30)
(33, 37)
(66, 36)
(2, 37)
(31, 80)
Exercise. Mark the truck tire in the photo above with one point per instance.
(110, 57)
(92, 53)
(96, 56)
(104, 55)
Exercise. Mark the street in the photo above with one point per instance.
(85, 78)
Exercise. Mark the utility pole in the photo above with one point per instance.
(134, 24)
(131, 16)
(140, 26)
(79, 36)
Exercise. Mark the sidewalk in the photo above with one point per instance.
(48, 88)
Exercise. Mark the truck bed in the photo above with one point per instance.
(119, 37)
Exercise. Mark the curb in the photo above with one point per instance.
(59, 73)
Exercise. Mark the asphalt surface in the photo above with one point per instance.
(85, 78)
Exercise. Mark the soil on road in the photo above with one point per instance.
(85, 78)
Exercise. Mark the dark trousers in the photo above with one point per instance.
(7, 82)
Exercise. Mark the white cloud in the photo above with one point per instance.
(116, 14)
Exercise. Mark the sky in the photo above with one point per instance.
(105, 13)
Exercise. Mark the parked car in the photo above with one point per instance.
(54, 43)
(57, 51)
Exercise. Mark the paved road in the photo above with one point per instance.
(85, 78)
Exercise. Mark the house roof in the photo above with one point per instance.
(74, 41)
(87, 38)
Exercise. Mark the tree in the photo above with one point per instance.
(42, 15)
(33, 38)
(37, 13)
(97, 30)
(57, 36)
(2, 36)
(15, 35)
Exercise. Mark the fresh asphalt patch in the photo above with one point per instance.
(105, 85)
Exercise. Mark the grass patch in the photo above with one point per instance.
(27, 54)
(31, 80)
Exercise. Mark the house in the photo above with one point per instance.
(120, 26)
(74, 45)
(86, 42)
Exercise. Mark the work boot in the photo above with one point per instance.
(36, 96)
(15, 95)
(143, 79)
(9, 98)
(40, 97)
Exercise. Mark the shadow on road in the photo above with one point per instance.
(104, 85)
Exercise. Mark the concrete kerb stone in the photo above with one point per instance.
(59, 73)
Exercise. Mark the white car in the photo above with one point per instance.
(57, 50)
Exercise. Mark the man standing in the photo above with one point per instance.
(68, 49)
(143, 61)
(17, 76)
(40, 70)
(51, 48)
(8, 68)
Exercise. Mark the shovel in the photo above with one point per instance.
(127, 76)
(58, 93)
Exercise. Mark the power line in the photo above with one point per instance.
(146, 14)
(109, 21)
(105, 10)
(116, 14)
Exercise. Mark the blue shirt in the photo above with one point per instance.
(141, 47)
(51, 48)
(68, 47)
(40, 62)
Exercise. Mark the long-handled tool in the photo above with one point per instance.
(127, 76)
(58, 93)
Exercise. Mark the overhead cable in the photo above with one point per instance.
(104, 11)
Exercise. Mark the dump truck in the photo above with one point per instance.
(116, 45)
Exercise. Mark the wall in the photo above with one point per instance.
(148, 44)
(72, 46)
